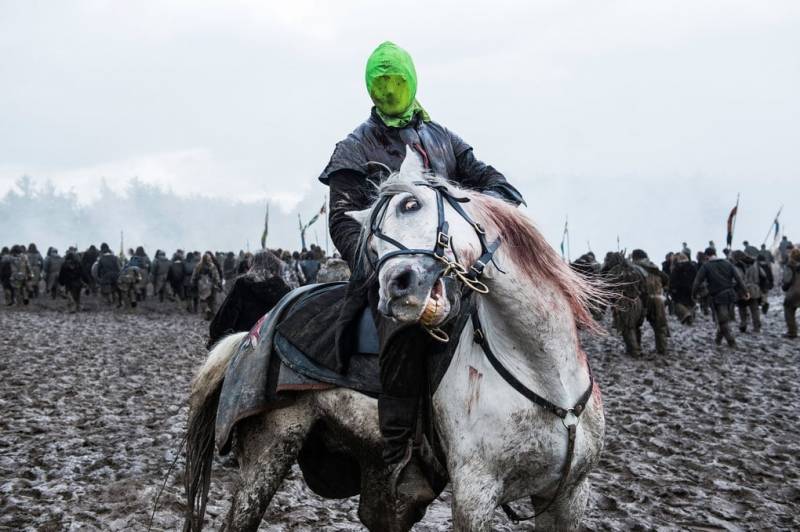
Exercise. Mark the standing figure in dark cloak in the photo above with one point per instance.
(249, 297)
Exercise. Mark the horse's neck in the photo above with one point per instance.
(532, 332)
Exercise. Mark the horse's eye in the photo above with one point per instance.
(410, 205)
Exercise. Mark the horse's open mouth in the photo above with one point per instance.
(437, 306)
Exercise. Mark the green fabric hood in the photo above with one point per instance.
(392, 84)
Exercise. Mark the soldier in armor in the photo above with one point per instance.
(72, 276)
(106, 272)
(5, 275)
(158, 276)
(783, 250)
(189, 288)
(767, 282)
(176, 274)
(36, 264)
(681, 278)
(627, 311)
(21, 275)
(767, 255)
(229, 269)
(141, 261)
(88, 258)
(52, 267)
(292, 274)
(724, 282)
(332, 270)
(702, 295)
(129, 282)
(654, 305)
(751, 251)
(206, 281)
(588, 267)
(791, 287)
(754, 277)
(244, 263)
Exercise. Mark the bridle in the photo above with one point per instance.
(470, 277)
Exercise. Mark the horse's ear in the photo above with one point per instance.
(412, 167)
(359, 216)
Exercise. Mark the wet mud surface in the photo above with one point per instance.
(93, 413)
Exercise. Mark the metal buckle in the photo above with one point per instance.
(570, 419)
(480, 265)
(478, 336)
(443, 240)
(478, 229)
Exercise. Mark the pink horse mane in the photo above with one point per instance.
(527, 248)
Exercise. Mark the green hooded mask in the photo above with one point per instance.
(392, 85)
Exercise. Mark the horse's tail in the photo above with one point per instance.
(203, 402)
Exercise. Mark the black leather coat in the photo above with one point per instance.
(351, 176)
(351, 169)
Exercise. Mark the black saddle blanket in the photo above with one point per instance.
(290, 350)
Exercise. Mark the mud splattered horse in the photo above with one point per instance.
(517, 412)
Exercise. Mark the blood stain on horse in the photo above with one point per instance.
(474, 390)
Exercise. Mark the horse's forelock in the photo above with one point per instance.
(527, 248)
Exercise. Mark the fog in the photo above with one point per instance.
(147, 215)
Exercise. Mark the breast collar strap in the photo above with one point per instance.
(469, 276)
(570, 417)
(563, 413)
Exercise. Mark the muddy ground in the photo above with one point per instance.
(93, 412)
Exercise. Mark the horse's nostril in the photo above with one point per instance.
(401, 282)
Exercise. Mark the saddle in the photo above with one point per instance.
(287, 350)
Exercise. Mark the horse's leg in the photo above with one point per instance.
(566, 512)
(267, 447)
(474, 501)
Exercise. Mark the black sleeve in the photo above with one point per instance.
(698, 280)
(479, 176)
(349, 192)
(348, 156)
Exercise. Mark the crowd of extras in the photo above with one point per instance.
(193, 279)
(713, 284)
(717, 284)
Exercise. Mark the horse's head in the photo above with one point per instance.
(413, 238)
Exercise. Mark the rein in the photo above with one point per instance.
(471, 278)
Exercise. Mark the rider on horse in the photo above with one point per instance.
(358, 163)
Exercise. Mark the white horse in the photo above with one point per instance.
(500, 446)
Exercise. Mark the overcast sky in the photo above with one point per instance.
(637, 119)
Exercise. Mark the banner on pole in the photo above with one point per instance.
(732, 224)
